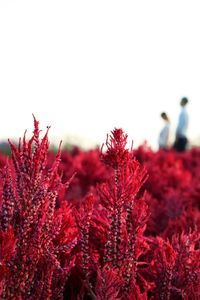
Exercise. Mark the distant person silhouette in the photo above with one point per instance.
(163, 141)
(181, 140)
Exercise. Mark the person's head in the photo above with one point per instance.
(164, 116)
(184, 101)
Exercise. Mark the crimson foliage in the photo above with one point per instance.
(124, 224)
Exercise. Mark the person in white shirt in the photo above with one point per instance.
(163, 140)
(181, 140)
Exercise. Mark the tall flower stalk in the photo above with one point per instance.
(29, 198)
(126, 216)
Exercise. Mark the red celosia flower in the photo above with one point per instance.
(108, 284)
(7, 248)
(29, 206)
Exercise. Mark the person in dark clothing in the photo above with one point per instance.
(181, 140)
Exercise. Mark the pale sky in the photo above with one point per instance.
(85, 67)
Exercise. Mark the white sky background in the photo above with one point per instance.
(85, 67)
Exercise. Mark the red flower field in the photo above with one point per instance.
(104, 224)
